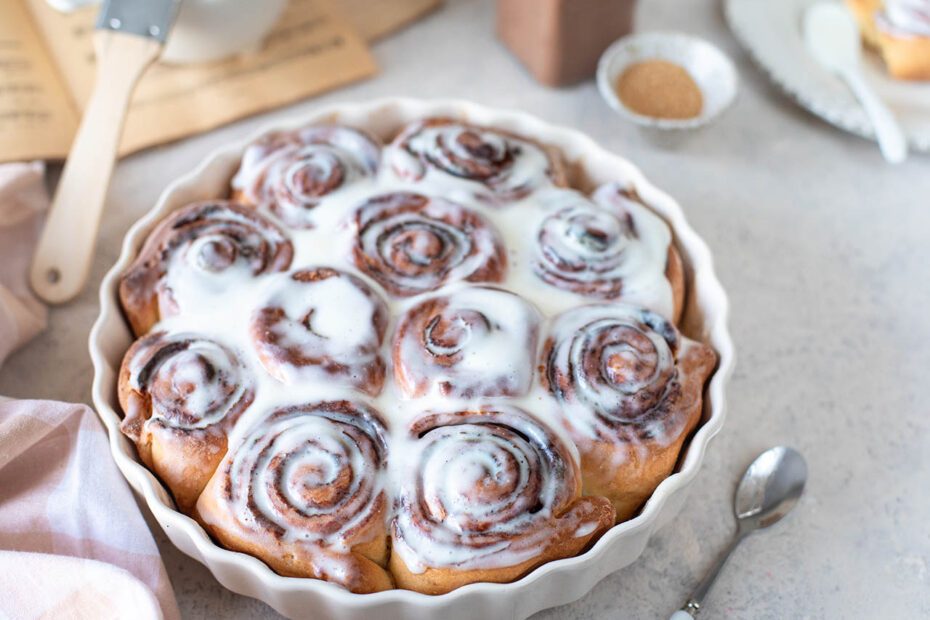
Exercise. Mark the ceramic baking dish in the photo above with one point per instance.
(552, 584)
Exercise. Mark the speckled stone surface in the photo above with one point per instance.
(824, 251)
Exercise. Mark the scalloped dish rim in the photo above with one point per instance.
(247, 575)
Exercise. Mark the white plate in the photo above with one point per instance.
(771, 31)
(555, 583)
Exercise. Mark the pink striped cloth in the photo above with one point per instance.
(23, 201)
(73, 543)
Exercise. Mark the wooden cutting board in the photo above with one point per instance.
(375, 19)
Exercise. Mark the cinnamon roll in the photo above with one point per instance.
(487, 495)
(303, 492)
(412, 244)
(449, 153)
(474, 342)
(899, 30)
(202, 247)
(609, 247)
(631, 387)
(181, 394)
(290, 172)
(322, 324)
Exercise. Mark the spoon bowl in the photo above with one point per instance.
(770, 488)
(832, 36)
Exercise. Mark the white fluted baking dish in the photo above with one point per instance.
(552, 584)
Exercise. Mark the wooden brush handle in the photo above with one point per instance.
(63, 257)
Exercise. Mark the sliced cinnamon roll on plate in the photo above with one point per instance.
(181, 395)
(609, 247)
(487, 494)
(499, 166)
(292, 172)
(630, 388)
(324, 325)
(410, 244)
(203, 247)
(303, 491)
(475, 341)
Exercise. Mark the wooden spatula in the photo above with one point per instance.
(129, 37)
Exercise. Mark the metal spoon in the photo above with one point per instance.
(832, 37)
(768, 491)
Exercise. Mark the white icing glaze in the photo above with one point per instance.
(321, 325)
(905, 18)
(193, 383)
(609, 247)
(465, 162)
(285, 459)
(472, 341)
(413, 244)
(481, 492)
(224, 310)
(612, 366)
(290, 173)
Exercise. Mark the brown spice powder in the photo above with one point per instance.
(660, 89)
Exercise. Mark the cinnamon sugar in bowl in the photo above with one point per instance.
(666, 80)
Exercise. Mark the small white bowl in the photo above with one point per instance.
(710, 68)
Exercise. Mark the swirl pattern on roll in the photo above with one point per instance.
(181, 395)
(444, 150)
(613, 366)
(413, 244)
(607, 247)
(488, 488)
(291, 172)
(305, 486)
(184, 382)
(322, 324)
(204, 246)
(474, 342)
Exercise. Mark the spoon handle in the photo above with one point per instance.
(693, 606)
(891, 139)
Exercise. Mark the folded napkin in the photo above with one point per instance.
(73, 543)
(23, 201)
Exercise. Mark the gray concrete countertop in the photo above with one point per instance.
(824, 251)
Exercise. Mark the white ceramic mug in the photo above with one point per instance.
(208, 30)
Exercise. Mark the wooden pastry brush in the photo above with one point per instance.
(129, 37)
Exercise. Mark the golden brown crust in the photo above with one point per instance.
(182, 452)
(631, 390)
(335, 527)
(564, 545)
(906, 58)
(366, 561)
(864, 12)
(143, 293)
(629, 473)
(490, 527)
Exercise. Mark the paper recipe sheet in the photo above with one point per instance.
(37, 118)
(47, 74)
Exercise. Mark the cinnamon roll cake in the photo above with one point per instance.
(415, 360)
